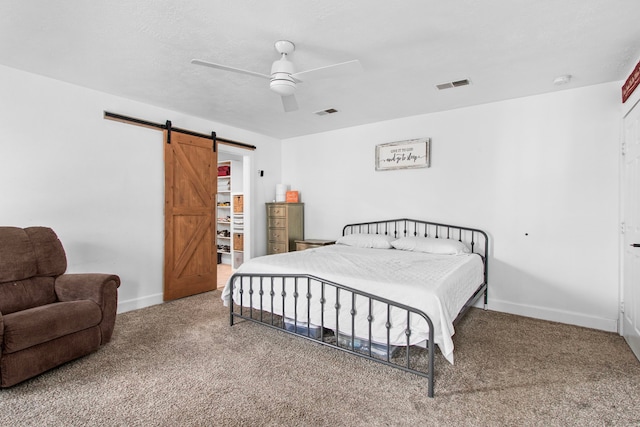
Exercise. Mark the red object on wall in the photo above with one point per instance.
(631, 84)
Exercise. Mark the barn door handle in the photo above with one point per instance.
(635, 245)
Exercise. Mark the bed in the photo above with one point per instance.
(389, 291)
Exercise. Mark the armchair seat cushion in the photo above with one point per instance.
(26, 328)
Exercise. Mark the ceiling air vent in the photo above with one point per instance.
(327, 111)
(457, 83)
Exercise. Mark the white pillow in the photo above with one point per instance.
(431, 245)
(376, 241)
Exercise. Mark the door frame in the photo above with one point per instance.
(247, 190)
(632, 102)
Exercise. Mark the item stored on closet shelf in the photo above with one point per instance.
(224, 170)
(238, 203)
(238, 241)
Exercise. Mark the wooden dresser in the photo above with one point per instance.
(285, 225)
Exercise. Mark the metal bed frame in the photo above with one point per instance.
(263, 287)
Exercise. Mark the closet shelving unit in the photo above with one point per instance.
(229, 216)
(237, 229)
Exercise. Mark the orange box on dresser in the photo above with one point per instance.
(292, 197)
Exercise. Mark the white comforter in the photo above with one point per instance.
(438, 285)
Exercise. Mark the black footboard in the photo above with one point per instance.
(286, 302)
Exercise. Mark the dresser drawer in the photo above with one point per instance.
(277, 235)
(277, 222)
(276, 247)
(277, 211)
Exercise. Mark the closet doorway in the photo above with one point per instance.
(233, 211)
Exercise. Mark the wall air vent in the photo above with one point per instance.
(457, 83)
(327, 111)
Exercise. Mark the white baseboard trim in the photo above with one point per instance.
(571, 318)
(137, 303)
(553, 315)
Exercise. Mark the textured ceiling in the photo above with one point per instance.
(141, 50)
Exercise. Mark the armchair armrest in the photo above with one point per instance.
(91, 286)
(99, 288)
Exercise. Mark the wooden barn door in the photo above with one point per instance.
(190, 254)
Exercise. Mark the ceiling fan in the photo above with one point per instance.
(284, 79)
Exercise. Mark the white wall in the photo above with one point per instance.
(546, 166)
(98, 183)
(539, 174)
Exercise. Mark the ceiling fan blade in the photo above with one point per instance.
(226, 68)
(289, 102)
(336, 70)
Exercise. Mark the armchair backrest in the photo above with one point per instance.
(30, 259)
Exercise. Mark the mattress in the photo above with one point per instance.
(438, 285)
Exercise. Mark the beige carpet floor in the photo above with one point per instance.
(180, 364)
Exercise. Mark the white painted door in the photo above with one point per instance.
(631, 253)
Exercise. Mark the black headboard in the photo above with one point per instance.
(477, 240)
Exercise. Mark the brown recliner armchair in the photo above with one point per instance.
(47, 317)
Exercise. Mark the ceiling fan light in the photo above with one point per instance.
(283, 87)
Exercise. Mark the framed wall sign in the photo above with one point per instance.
(409, 154)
